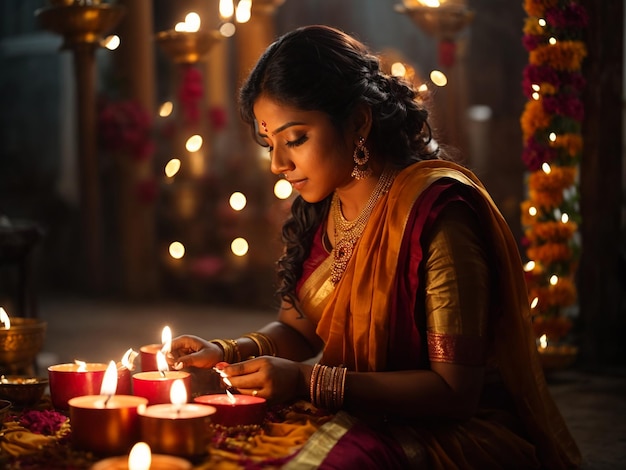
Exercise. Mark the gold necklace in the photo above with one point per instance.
(348, 232)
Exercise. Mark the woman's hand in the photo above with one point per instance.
(273, 378)
(192, 351)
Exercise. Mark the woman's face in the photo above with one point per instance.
(304, 146)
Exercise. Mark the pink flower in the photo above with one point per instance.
(570, 16)
(534, 154)
(218, 118)
(566, 105)
(531, 41)
(126, 126)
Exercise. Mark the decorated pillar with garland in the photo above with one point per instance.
(551, 125)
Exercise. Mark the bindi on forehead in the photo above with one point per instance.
(264, 127)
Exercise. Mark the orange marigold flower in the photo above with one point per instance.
(563, 294)
(527, 218)
(551, 231)
(559, 178)
(572, 143)
(546, 201)
(547, 88)
(563, 55)
(534, 117)
(532, 27)
(549, 253)
(538, 7)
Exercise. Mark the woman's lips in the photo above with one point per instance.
(297, 184)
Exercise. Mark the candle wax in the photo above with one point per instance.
(245, 410)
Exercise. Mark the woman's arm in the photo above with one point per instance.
(457, 292)
(292, 336)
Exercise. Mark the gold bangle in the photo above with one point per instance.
(264, 343)
(257, 342)
(236, 354)
(230, 349)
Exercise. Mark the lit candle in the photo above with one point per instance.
(156, 385)
(124, 367)
(235, 410)
(105, 424)
(76, 379)
(147, 353)
(141, 458)
(177, 428)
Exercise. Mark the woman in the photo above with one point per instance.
(398, 273)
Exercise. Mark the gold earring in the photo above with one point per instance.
(361, 157)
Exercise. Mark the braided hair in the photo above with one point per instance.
(319, 68)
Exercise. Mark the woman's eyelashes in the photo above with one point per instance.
(295, 143)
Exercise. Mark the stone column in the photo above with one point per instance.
(135, 62)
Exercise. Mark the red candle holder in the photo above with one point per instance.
(124, 384)
(183, 430)
(110, 429)
(147, 357)
(235, 410)
(67, 381)
(155, 386)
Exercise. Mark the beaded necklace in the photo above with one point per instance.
(348, 232)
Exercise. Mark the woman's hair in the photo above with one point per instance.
(319, 68)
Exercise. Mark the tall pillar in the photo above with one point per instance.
(135, 62)
(82, 27)
(254, 36)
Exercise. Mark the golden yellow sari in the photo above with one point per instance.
(367, 324)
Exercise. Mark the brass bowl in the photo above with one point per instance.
(22, 390)
(20, 344)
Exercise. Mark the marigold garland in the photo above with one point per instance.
(551, 130)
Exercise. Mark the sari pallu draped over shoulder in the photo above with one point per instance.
(368, 317)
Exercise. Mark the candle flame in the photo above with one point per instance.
(4, 319)
(543, 342)
(231, 397)
(430, 3)
(109, 382)
(162, 365)
(243, 11)
(82, 365)
(128, 359)
(140, 457)
(226, 8)
(166, 339)
(223, 376)
(178, 393)
(193, 22)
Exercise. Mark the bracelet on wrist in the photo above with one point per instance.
(327, 386)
